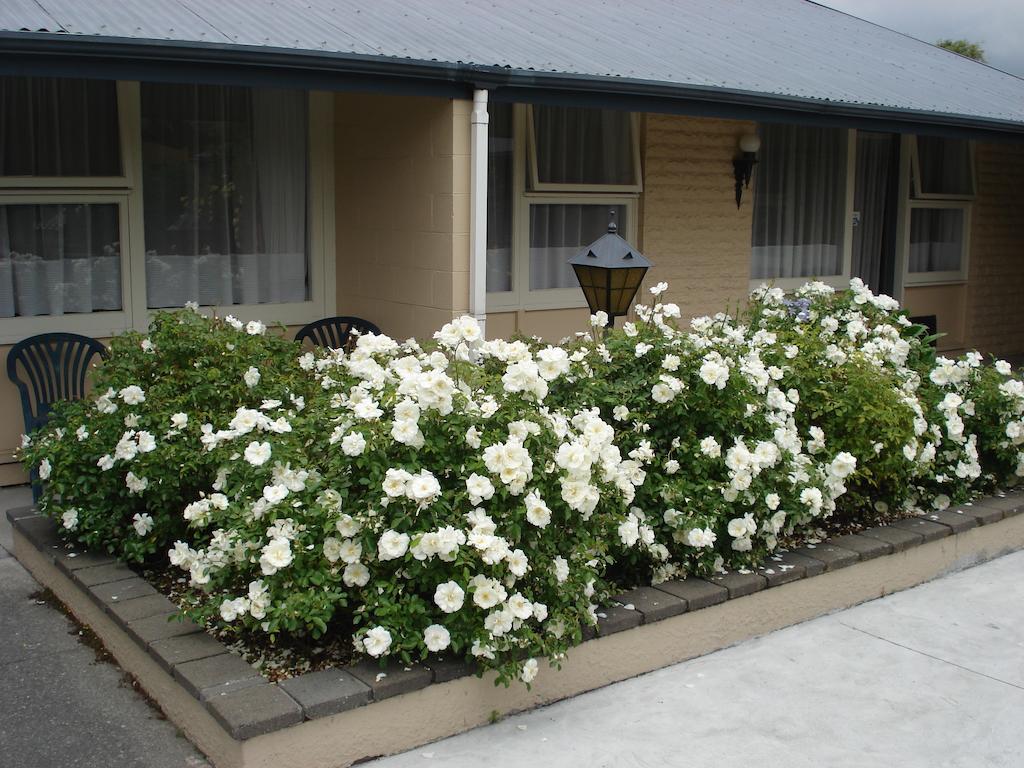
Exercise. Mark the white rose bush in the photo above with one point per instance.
(480, 499)
(427, 500)
(129, 450)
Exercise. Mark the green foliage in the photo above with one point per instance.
(99, 448)
(481, 497)
(964, 48)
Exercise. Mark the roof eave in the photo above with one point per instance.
(40, 53)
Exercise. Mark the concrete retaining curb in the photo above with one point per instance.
(332, 718)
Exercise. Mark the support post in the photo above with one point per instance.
(478, 210)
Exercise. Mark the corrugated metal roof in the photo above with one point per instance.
(785, 48)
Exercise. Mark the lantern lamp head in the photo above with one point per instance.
(610, 271)
(743, 164)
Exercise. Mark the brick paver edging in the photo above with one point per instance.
(337, 716)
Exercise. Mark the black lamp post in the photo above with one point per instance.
(610, 271)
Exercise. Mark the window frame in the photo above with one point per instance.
(536, 185)
(521, 297)
(127, 191)
(915, 175)
(124, 181)
(912, 198)
(946, 277)
(842, 280)
(101, 323)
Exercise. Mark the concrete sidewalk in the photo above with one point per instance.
(59, 705)
(930, 677)
(933, 676)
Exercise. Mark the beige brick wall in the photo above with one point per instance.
(996, 276)
(402, 210)
(691, 230)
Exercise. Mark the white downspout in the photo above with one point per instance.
(478, 210)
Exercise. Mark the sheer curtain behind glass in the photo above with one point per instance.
(936, 239)
(500, 153)
(583, 146)
(559, 232)
(60, 257)
(798, 202)
(225, 189)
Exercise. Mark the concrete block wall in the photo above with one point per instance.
(402, 210)
(690, 227)
(996, 272)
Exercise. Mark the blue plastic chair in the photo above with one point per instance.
(335, 332)
(48, 368)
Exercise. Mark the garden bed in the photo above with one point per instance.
(335, 717)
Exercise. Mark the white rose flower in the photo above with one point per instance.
(710, 447)
(537, 512)
(275, 555)
(275, 493)
(620, 413)
(255, 328)
(436, 638)
(423, 487)
(517, 561)
(251, 377)
(599, 319)
(561, 568)
(134, 483)
(69, 519)
(356, 575)
(843, 465)
(392, 545)
(529, 672)
(232, 609)
(377, 641)
(479, 488)
(347, 526)
(521, 607)
(44, 469)
(179, 420)
(132, 395)
(353, 444)
(142, 523)
(332, 549)
(488, 593)
(257, 453)
(146, 442)
(701, 537)
(449, 597)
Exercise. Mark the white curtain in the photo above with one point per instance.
(876, 164)
(500, 144)
(800, 179)
(225, 189)
(559, 232)
(945, 165)
(936, 239)
(63, 257)
(583, 146)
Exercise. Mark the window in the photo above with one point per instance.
(63, 206)
(555, 176)
(942, 188)
(224, 195)
(118, 198)
(800, 203)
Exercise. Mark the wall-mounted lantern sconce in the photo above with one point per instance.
(743, 164)
(610, 271)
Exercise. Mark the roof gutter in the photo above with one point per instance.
(38, 53)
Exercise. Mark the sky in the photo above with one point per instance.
(998, 25)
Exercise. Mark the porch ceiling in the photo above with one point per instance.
(765, 59)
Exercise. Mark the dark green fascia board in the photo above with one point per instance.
(49, 54)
